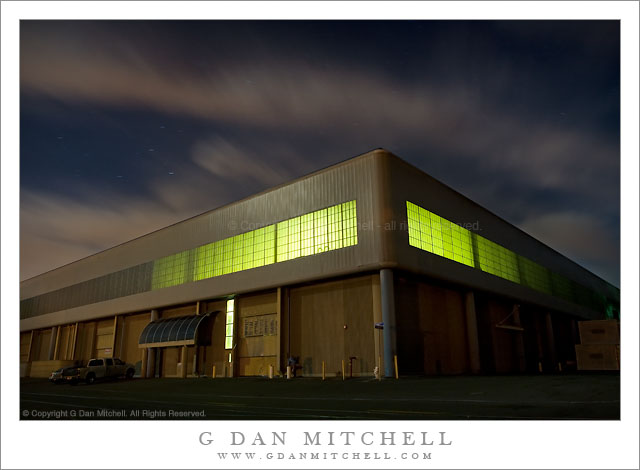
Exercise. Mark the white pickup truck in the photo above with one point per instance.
(104, 368)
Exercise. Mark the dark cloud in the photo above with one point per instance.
(498, 110)
(584, 238)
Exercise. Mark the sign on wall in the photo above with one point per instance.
(263, 325)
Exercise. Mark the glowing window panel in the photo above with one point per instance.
(171, 270)
(497, 260)
(439, 236)
(309, 234)
(204, 262)
(561, 287)
(245, 251)
(434, 234)
(317, 232)
(535, 276)
(228, 337)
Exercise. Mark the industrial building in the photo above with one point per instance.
(313, 269)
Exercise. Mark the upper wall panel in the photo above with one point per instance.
(353, 180)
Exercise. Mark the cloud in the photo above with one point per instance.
(230, 162)
(581, 237)
(287, 95)
(56, 230)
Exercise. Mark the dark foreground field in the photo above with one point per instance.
(573, 396)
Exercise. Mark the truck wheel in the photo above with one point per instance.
(90, 378)
(129, 374)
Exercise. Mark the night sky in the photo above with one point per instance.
(127, 127)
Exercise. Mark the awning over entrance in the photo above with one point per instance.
(176, 331)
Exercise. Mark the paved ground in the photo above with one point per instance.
(571, 396)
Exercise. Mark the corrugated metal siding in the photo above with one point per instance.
(353, 180)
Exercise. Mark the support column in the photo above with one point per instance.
(158, 362)
(74, 341)
(113, 336)
(389, 318)
(196, 358)
(30, 346)
(551, 342)
(151, 353)
(472, 332)
(56, 349)
(52, 342)
(539, 342)
(377, 318)
(143, 363)
(522, 365)
(196, 349)
(278, 329)
(183, 362)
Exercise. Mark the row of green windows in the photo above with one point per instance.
(327, 229)
(439, 236)
(324, 230)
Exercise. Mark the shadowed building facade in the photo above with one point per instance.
(306, 270)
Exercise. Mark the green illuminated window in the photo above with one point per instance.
(535, 276)
(497, 260)
(439, 236)
(204, 262)
(228, 337)
(561, 286)
(324, 230)
(171, 270)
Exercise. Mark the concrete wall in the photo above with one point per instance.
(25, 347)
(334, 321)
(331, 322)
(499, 347)
(130, 328)
(41, 345)
(431, 328)
(257, 334)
